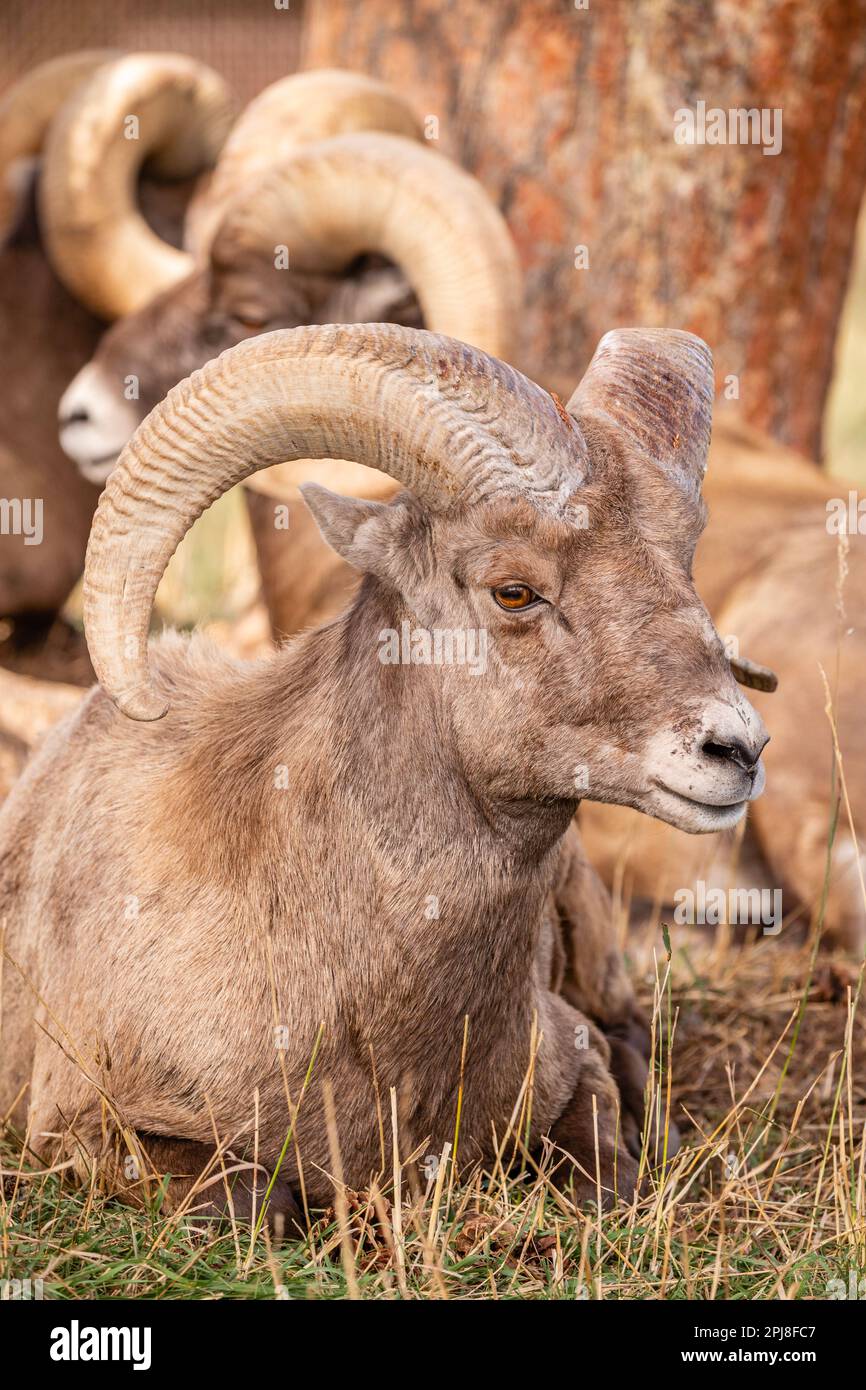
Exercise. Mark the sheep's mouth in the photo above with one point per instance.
(693, 815)
(721, 806)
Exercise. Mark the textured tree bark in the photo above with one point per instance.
(568, 114)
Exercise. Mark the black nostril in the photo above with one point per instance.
(733, 752)
(76, 417)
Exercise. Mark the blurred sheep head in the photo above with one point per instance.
(364, 227)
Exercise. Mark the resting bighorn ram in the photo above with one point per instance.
(366, 189)
(764, 502)
(208, 852)
(49, 327)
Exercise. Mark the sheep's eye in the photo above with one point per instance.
(515, 596)
(250, 321)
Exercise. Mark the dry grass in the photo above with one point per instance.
(766, 1199)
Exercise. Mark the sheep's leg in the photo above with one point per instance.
(587, 1156)
(593, 978)
(206, 1184)
(136, 1165)
(198, 1182)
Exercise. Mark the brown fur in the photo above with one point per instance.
(169, 902)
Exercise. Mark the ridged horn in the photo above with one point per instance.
(370, 192)
(164, 109)
(27, 110)
(655, 385)
(282, 119)
(373, 192)
(445, 420)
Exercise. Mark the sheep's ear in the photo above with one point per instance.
(364, 533)
(654, 386)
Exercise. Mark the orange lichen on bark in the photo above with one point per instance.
(567, 116)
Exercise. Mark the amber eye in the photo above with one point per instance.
(515, 596)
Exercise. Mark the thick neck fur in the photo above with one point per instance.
(375, 790)
(394, 740)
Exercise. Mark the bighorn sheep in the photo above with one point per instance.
(332, 204)
(755, 490)
(347, 850)
(47, 332)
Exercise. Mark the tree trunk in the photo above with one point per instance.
(568, 114)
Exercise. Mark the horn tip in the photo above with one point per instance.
(142, 704)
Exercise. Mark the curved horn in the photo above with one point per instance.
(282, 119)
(655, 385)
(29, 107)
(164, 108)
(375, 192)
(447, 421)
